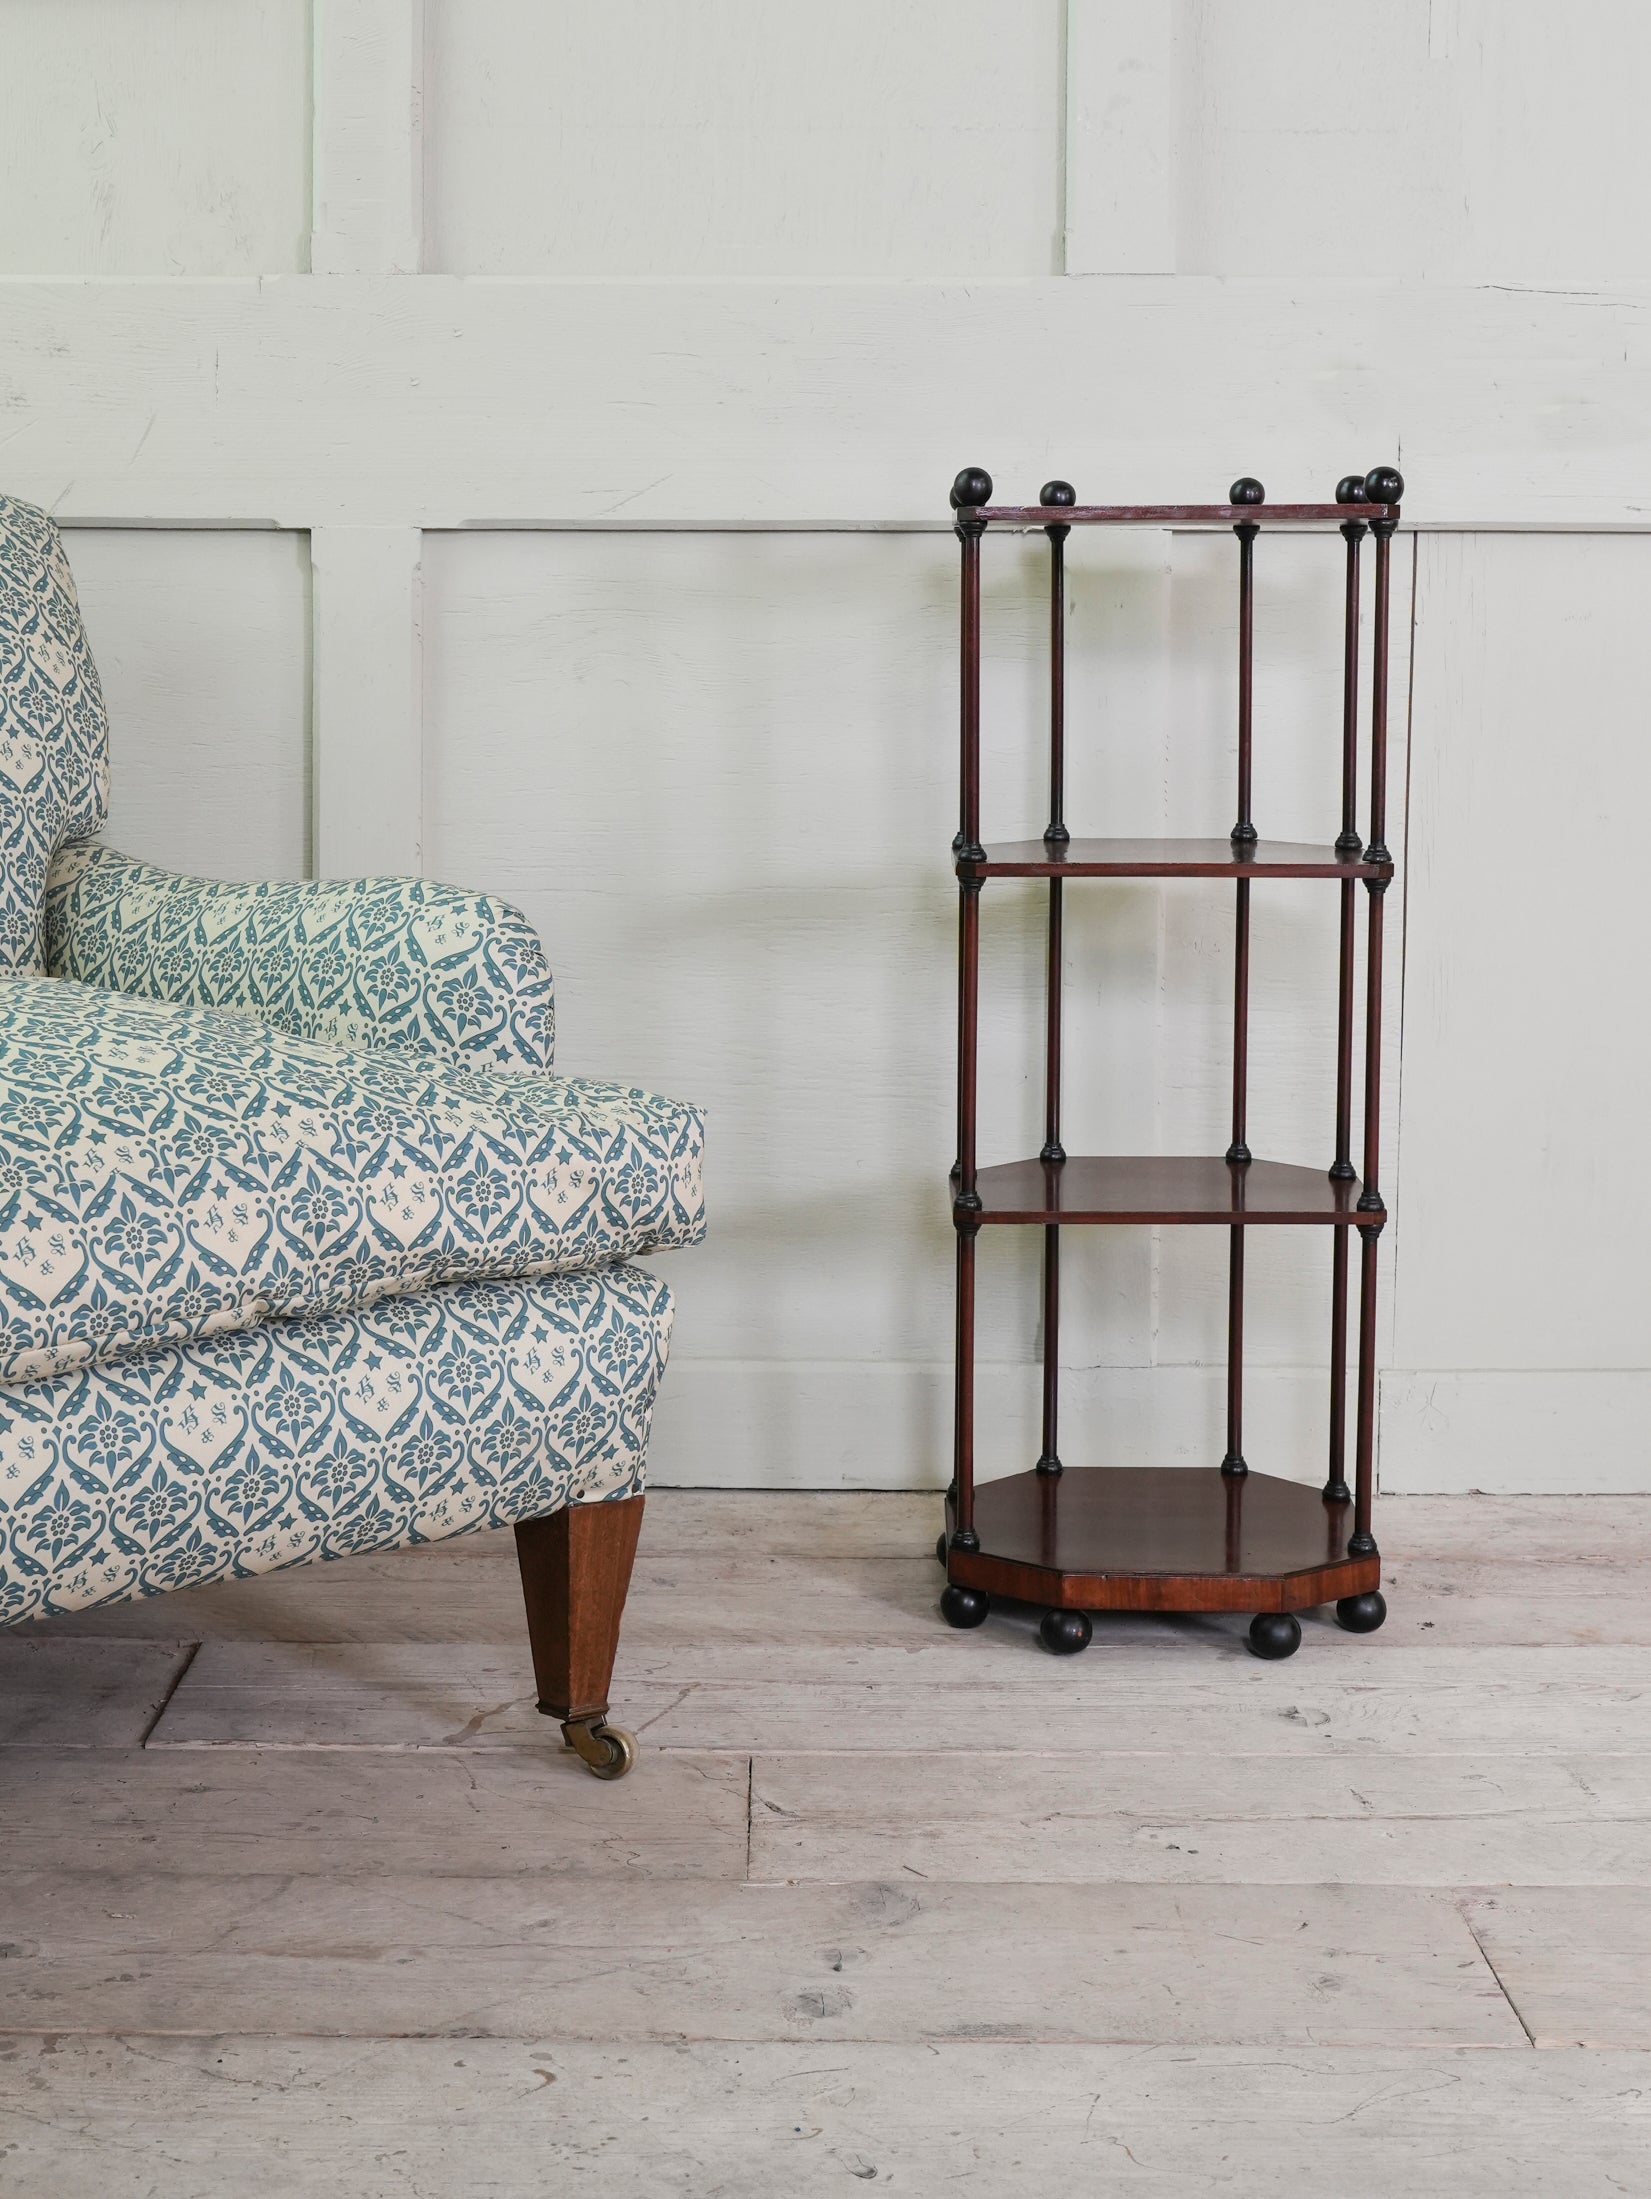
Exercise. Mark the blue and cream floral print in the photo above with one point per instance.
(54, 737)
(168, 1173)
(359, 962)
(303, 1251)
(420, 1418)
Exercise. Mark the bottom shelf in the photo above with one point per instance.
(1160, 1538)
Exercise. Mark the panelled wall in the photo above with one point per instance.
(509, 439)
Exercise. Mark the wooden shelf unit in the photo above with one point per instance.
(1169, 1538)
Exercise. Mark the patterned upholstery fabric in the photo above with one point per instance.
(54, 737)
(302, 1250)
(168, 1173)
(429, 1416)
(367, 962)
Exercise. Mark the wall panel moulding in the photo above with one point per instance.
(428, 400)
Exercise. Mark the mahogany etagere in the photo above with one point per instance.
(1141, 1538)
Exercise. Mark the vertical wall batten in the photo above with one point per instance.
(367, 151)
(1120, 163)
(366, 740)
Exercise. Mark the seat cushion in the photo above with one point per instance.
(170, 1173)
(471, 1406)
(54, 735)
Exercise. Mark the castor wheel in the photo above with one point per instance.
(960, 1606)
(940, 1549)
(1275, 1634)
(1064, 1633)
(1362, 1614)
(607, 1752)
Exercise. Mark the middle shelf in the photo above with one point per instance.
(1160, 1187)
(1169, 859)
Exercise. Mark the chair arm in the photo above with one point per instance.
(385, 962)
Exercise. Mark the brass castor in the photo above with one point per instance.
(607, 1752)
(1275, 1634)
(1064, 1633)
(960, 1606)
(1362, 1614)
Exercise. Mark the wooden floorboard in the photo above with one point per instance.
(1574, 1961)
(84, 1694)
(1383, 1821)
(376, 1812)
(300, 1894)
(538, 1958)
(1518, 1702)
(156, 2118)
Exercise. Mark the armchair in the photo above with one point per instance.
(304, 1250)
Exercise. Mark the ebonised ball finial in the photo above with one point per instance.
(1350, 489)
(1057, 495)
(1384, 485)
(973, 486)
(1247, 491)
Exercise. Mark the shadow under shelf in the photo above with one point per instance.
(1172, 1188)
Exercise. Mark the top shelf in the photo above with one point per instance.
(1180, 515)
(1169, 859)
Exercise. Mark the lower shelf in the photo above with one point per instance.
(1165, 1538)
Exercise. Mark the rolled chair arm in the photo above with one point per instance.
(385, 962)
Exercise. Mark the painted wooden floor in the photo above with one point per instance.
(299, 1895)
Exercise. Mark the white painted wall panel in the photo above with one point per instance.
(719, 772)
(368, 701)
(1121, 156)
(368, 137)
(1457, 140)
(1527, 1050)
(425, 400)
(202, 644)
(718, 769)
(153, 137)
(739, 138)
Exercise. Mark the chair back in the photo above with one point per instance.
(54, 733)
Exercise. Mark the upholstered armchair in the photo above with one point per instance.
(303, 1249)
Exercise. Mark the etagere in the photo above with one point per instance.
(1139, 1538)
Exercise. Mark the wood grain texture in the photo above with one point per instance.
(583, 1978)
(520, 1812)
(1573, 1962)
(1156, 1693)
(102, 2118)
(1152, 1538)
(67, 1694)
(540, 1958)
(1388, 1821)
(575, 1567)
(1148, 1711)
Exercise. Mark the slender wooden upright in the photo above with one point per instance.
(576, 1569)
(1134, 1537)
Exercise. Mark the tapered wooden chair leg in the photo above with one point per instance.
(576, 1568)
